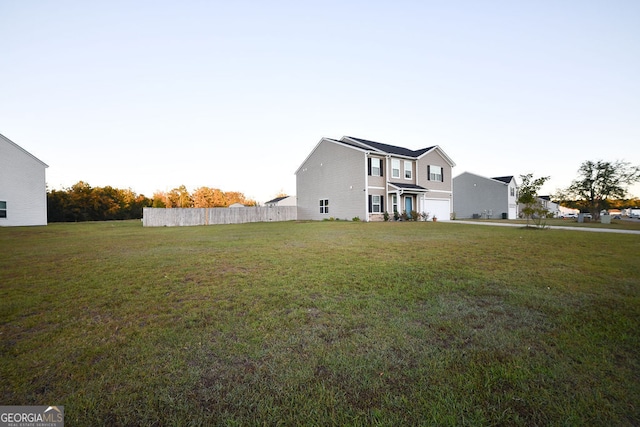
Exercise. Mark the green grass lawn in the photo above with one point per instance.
(321, 323)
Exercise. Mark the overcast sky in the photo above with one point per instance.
(151, 95)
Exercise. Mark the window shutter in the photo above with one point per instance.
(381, 167)
(370, 203)
(442, 175)
(381, 203)
(428, 172)
(369, 165)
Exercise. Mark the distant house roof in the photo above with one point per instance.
(276, 200)
(505, 179)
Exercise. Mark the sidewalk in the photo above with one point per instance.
(552, 227)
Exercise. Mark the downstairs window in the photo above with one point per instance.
(324, 206)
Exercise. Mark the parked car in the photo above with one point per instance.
(569, 215)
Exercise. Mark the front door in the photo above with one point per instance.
(408, 204)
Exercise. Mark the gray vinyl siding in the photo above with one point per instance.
(337, 173)
(434, 158)
(378, 181)
(474, 194)
(22, 186)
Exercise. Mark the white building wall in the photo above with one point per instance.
(289, 201)
(22, 186)
(337, 173)
(513, 200)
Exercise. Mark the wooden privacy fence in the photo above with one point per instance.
(177, 217)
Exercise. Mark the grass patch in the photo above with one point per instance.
(321, 323)
(616, 224)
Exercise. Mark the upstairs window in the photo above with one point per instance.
(324, 206)
(408, 170)
(395, 168)
(435, 173)
(512, 191)
(3, 209)
(375, 166)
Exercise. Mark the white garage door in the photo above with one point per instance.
(437, 207)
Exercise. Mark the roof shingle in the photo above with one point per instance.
(391, 149)
(505, 179)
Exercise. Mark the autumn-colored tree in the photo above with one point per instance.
(237, 197)
(179, 198)
(205, 197)
(219, 198)
(159, 199)
(80, 201)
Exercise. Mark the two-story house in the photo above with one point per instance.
(354, 177)
(476, 196)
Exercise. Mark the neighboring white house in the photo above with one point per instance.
(552, 207)
(476, 196)
(282, 201)
(23, 188)
(356, 178)
(563, 212)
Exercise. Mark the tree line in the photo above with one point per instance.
(81, 202)
(202, 197)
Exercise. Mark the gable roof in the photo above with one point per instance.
(10, 142)
(505, 179)
(394, 149)
(389, 149)
(365, 145)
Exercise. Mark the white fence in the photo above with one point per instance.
(176, 217)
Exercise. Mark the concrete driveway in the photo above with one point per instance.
(553, 227)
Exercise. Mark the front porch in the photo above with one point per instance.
(406, 198)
